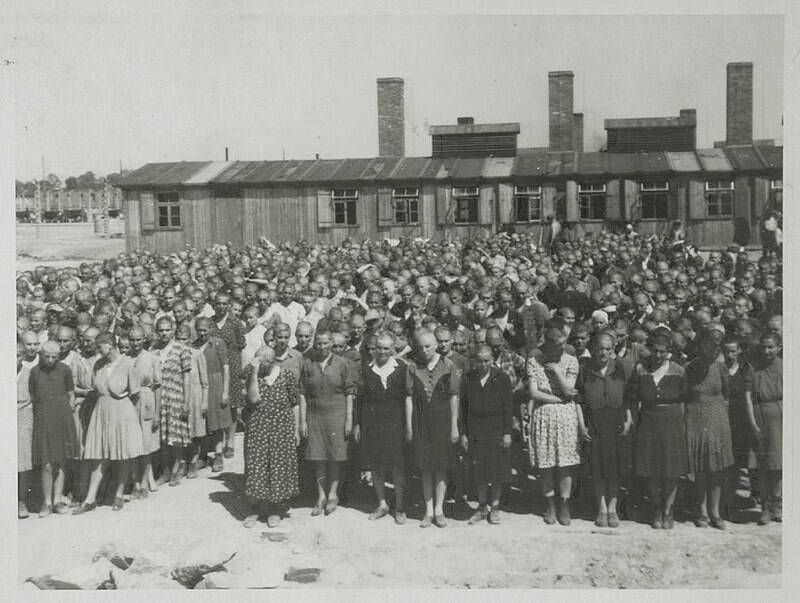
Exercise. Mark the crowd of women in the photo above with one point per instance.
(617, 364)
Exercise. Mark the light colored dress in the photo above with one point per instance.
(148, 365)
(24, 421)
(198, 394)
(114, 432)
(554, 427)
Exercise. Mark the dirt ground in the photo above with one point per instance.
(521, 552)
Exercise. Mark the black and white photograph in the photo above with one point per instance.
(394, 297)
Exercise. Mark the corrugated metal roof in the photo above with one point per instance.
(714, 160)
(163, 174)
(209, 172)
(652, 162)
(744, 158)
(498, 167)
(772, 156)
(622, 163)
(505, 128)
(411, 168)
(592, 164)
(532, 163)
(647, 122)
(683, 161)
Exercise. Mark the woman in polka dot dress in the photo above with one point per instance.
(271, 438)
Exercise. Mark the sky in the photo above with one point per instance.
(96, 90)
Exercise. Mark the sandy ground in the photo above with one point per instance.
(63, 252)
(521, 552)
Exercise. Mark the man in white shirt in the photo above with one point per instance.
(287, 311)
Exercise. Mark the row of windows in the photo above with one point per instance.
(653, 203)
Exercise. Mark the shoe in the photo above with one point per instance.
(84, 508)
(217, 466)
(613, 520)
(718, 523)
(701, 522)
(22, 511)
(119, 502)
(776, 509)
(426, 522)
(601, 521)
(658, 520)
(175, 480)
(765, 517)
(480, 515)
(227, 452)
(379, 513)
(143, 493)
(136, 494)
(669, 522)
(183, 468)
(330, 507)
(61, 508)
(273, 521)
(250, 521)
(318, 508)
(563, 515)
(440, 521)
(399, 518)
(494, 516)
(45, 510)
(550, 515)
(193, 469)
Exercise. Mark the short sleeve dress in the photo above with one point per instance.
(24, 421)
(554, 427)
(114, 432)
(198, 400)
(54, 437)
(767, 392)
(381, 419)
(148, 366)
(176, 359)
(708, 428)
(270, 458)
(216, 355)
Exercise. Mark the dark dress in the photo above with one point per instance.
(54, 437)
(216, 355)
(431, 392)
(661, 437)
(487, 412)
(232, 334)
(741, 435)
(326, 407)
(708, 429)
(604, 409)
(381, 417)
(767, 392)
(270, 461)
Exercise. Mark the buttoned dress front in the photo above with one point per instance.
(148, 365)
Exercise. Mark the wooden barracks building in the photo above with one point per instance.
(476, 181)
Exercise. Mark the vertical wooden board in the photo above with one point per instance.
(486, 205)
(147, 210)
(133, 232)
(385, 207)
(573, 210)
(427, 210)
(741, 198)
(697, 199)
(505, 203)
(613, 212)
(444, 206)
(633, 206)
(548, 200)
(760, 194)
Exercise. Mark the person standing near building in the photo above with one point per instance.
(148, 407)
(218, 374)
(435, 387)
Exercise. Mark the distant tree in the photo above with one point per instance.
(87, 180)
(114, 178)
(25, 189)
(55, 182)
(71, 183)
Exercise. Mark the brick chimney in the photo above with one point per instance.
(391, 117)
(739, 104)
(561, 117)
(465, 121)
(577, 132)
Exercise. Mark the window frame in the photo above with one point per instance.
(344, 203)
(776, 195)
(174, 209)
(408, 198)
(654, 196)
(466, 200)
(528, 194)
(592, 201)
(720, 195)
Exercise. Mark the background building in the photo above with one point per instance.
(475, 182)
